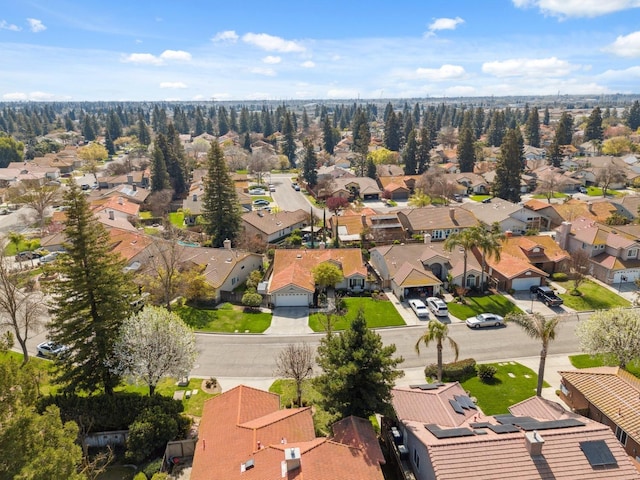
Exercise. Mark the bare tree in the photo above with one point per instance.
(611, 174)
(236, 157)
(260, 162)
(295, 362)
(579, 263)
(38, 198)
(436, 184)
(163, 277)
(159, 202)
(550, 183)
(22, 311)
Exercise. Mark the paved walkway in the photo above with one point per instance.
(289, 321)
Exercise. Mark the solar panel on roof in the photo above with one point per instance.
(449, 432)
(549, 424)
(465, 401)
(479, 425)
(508, 418)
(456, 407)
(598, 453)
(426, 386)
(508, 428)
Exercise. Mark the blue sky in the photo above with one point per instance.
(279, 50)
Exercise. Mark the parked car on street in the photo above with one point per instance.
(50, 257)
(485, 320)
(437, 306)
(272, 187)
(256, 191)
(27, 255)
(419, 308)
(51, 349)
(295, 186)
(260, 202)
(582, 190)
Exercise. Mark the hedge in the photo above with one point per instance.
(454, 371)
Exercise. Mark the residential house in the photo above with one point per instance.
(421, 269)
(556, 178)
(510, 217)
(192, 204)
(139, 178)
(245, 435)
(363, 188)
(116, 207)
(613, 251)
(627, 205)
(439, 222)
(28, 173)
(291, 283)
(333, 172)
(352, 225)
(225, 269)
(541, 251)
(608, 395)
(387, 170)
(588, 173)
(398, 187)
(441, 434)
(131, 192)
(272, 227)
(512, 272)
(527, 182)
(598, 211)
(473, 183)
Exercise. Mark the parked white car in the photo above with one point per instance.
(437, 306)
(419, 308)
(257, 191)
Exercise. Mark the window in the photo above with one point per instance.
(416, 459)
(233, 280)
(356, 282)
(437, 235)
(621, 435)
(632, 253)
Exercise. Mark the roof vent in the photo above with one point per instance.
(534, 442)
(292, 458)
(247, 465)
(299, 255)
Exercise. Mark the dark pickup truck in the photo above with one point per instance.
(547, 296)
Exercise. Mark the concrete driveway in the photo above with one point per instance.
(289, 321)
(523, 300)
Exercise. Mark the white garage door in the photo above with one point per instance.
(626, 276)
(292, 300)
(524, 283)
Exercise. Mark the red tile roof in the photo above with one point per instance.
(246, 424)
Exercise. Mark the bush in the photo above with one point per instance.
(486, 372)
(212, 382)
(454, 371)
(559, 277)
(150, 432)
(140, 476)
(152, 467)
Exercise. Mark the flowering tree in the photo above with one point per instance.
(154, 343)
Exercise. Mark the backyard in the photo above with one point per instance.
(226, 318)
(497, 304)
(511, 384)
(594, 297)
(585, 360)
(379, 313)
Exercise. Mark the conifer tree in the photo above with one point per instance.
(509, 168)
(466, 150)
(593, 129)
(564, 130)
(633, 118)
(289, 145)
(328, 137)
(220, 203)
(175, 161)
(533, 128)
(409, 154)
(310, 164)
(423, 156)
(159, 175)
(91, 297)
(546, 117)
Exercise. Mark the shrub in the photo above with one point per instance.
(150, 432)
(212, 382)
(559, 277)
(486, 372)
(454, 371)
(152, 467)
(140, 476)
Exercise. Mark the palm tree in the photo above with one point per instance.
(437, 332)
(488, 242)
(539, 328)
(465, 239)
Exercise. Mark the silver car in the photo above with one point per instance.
(485, 320)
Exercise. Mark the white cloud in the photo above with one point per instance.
(267, 72)
(143, 58)
(444, 24)
(15, 96)
(626, 45)
(529, 67)
(4, 25)
(221, 96)
(578, 8)
(35, 96)
(271, 60)
(36, 25)
(308, 64)
(229, 36)
(461, 91)
(179, 55)
(271, 43)
(627, 73)
(173, 85)
(445, 72)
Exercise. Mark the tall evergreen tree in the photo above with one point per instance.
(361, 140)
(409, 155)
(633, 118)
(372, 171)
(423, 156)
(497, 128)
(509, 168)
(593, 129)
(175, 160)
(392, 133)
(466, 150)
(223, 121)
(546, 117)
(92, 296)
(310, 164)
(554, 154)
(564, 130)
(328, 137)
(144, 137)
(289, 144)
(533, 128)
(159, 175)
(108, 144)
(220, 203)
(358, 371)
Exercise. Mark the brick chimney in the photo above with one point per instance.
(508, 233)
(364, 220)
(292, 458)
(533, 443)
(227, 244)
(564, 230)
(452, 213)
(427, 238)
(590, 207)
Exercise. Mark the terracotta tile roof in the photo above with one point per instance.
(357, 432)
(598, 211)
(522, 248)
(511, 266)
(270, 223)
(246, 424)
(595, 233)
(128, 244)
(535, 204)
(295, 266)
(119, 204)
(409, 275)
(430, 406)
(613, 391)
(352, 223)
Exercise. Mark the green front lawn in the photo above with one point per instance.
(497, 304)
(597, 192)
(554, 195)
(145, 215)
(227, 318)
(177, 219)
(594, 297)
(585, 360)
(24, 245)
(479, 198)
(495, 397)
(379, 313)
